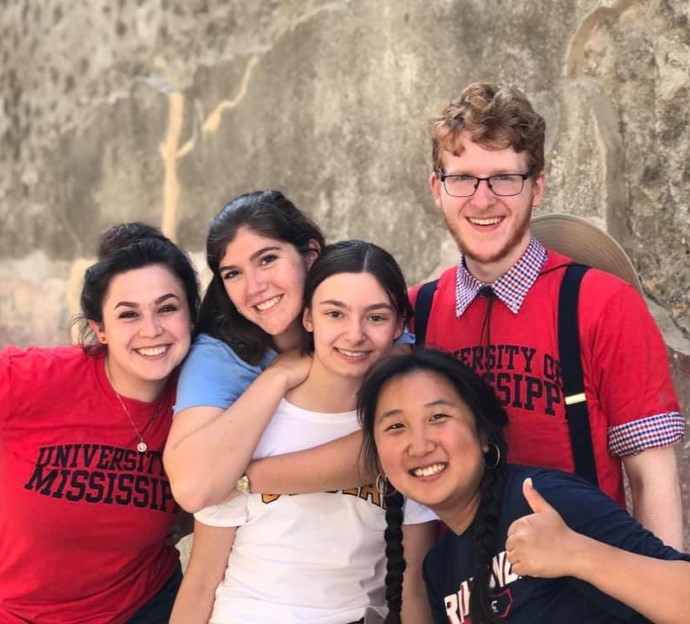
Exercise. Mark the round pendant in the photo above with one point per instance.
(141, 447)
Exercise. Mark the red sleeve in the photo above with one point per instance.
(626, 352)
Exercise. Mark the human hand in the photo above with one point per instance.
(541, 544)
(293, 367)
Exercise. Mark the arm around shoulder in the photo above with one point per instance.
(335, 465)
(209, 447)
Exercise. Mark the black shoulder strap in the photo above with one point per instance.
(571, 371)
(422, 309)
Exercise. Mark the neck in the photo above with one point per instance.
(489, 271)
(460, 515)
(291, 338)
(323, 391)
(140, 390)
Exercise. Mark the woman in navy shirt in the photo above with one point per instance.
(525, 545)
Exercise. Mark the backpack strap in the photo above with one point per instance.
(422, 309)
(576, 410)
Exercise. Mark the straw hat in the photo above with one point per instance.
(584, 243)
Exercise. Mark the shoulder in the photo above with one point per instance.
(597, 285)
(207, 350)
(447, 277)
(583, 506)
(213, 375)
(38, 360)
(32, 377)
(553, 484)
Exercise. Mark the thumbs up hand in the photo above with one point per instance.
(541, 544)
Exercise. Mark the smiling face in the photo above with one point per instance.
(146, 328)
(492, 231)
(428, 445)
(354, 324)
(264, 278)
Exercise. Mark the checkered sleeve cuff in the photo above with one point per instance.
(651, 432)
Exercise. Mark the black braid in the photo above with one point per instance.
(395, 556)
(486, 524)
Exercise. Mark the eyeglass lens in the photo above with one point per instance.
(502, 185)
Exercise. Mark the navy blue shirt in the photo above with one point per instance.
(527, 600)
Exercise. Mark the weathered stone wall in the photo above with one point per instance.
(162, 110)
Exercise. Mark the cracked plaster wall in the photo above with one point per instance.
(161, 110)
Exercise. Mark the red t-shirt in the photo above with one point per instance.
(84, 515)
(624, 359)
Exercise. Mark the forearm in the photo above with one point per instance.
(205, 569)
(657, 588)
(208, 450)
(336, 465)
(664, 519)
(655, 489)
(194, 603)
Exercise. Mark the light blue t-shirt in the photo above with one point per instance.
(213, 375)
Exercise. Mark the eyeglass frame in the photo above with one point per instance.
(442, 177)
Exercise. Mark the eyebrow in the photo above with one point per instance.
(472, 175)
(398, 411)
(133, 304)
(254, 256)
(341, 304)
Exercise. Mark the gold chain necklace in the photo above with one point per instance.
(142, 446)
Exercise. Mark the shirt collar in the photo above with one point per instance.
(511, 288)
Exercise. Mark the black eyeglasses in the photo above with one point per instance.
(502, 184)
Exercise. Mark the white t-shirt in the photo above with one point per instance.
(316, 558)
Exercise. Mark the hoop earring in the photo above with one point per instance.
(498, 457)
(383, 486)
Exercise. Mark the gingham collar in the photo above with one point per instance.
(511, 287)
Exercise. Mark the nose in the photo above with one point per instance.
(255, 283)
(150, 326)
(355, 331)
(483, 196)
(419, 443)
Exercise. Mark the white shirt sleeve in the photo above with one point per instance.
(414, 513)
(232, 513)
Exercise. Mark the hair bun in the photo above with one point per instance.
(124, 234)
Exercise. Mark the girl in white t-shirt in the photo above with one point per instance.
(315, 557)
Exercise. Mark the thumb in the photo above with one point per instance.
(534, 499)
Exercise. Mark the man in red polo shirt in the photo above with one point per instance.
(497, 311)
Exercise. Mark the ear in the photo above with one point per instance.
(485, 443)
(307, 321)
(436, 187)
(98, 330)
(313, 253)
(399, 328)
(538, 187)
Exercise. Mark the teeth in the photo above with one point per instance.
(428, 471)
(152, 351)
(353, 354)
(267, 305)
(490, 221)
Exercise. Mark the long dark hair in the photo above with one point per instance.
(126, 247)
(490, 419)
(269, 214)
(357, 256)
